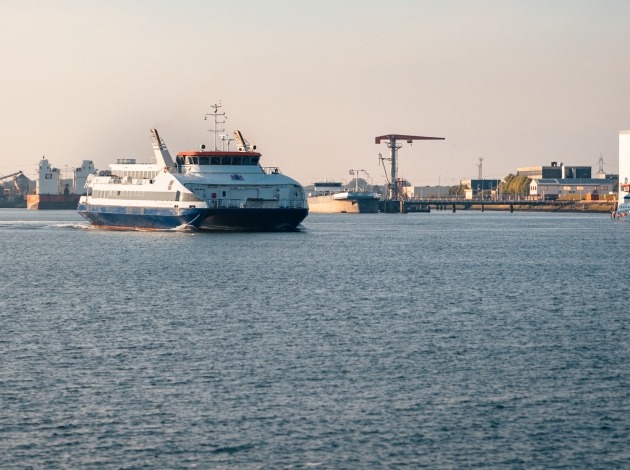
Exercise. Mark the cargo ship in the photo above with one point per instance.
(329, 197)
(54, 192)
(198, 190)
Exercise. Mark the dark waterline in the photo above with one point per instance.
(467, 340)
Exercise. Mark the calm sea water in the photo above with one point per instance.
(467, 340)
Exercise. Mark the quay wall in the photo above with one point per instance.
(576, 206)
(510, 206)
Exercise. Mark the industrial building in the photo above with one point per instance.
(554, 171)
(554, 188)
(486, 188)
(415, 192)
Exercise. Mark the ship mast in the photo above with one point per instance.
(216, 114)
(355, 173)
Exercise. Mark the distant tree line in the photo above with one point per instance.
(515, 185)
(458, 190)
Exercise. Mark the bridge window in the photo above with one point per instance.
(226, 160)
(215, 160)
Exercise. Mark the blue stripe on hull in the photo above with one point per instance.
(141, 218)
(201, 219)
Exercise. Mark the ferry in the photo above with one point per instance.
(623, 204)
(199, 190)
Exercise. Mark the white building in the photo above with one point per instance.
(558, 187)
(415, 192)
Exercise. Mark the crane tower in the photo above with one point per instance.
(394, 146)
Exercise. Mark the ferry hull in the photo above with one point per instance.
(264, 220)
(219, 219)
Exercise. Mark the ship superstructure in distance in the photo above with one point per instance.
(201, 190)
(623, 203)
(330, 197)
(56, 190)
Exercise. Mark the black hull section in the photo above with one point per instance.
(253, 220)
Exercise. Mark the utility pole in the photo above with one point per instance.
(480, 165)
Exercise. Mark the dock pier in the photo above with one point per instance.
(401, 206)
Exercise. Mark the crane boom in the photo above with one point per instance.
(17, 173)
(394, 146)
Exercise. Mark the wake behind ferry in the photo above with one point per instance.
(200, 190)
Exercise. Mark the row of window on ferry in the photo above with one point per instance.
(194, 160)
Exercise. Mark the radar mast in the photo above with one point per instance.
(217, 115)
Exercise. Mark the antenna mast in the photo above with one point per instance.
(216, 114)
(355, 173)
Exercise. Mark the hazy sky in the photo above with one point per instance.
(311, 83)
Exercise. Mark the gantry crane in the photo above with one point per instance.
(394, 146)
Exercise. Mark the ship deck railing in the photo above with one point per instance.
(271, 170)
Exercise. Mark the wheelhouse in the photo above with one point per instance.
(217, 158)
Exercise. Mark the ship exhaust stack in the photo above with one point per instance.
(162, 155)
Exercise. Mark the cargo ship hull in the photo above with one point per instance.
(351, 203)
(52, 201)
(17, 202)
